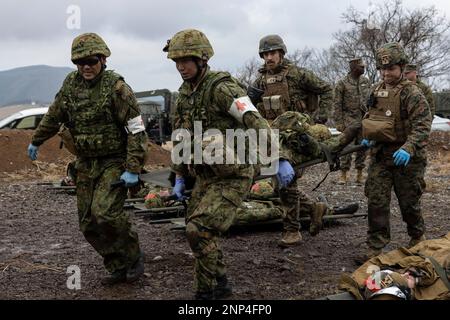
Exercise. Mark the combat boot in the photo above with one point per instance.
(290, 238)
(343, 179)
(370, 253)
(136, 270)
(320, 209)
(223, 288)
(116, 277)
(359, 176)
(415, 241)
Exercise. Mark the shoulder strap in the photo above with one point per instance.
(218, 77)
(439, 270)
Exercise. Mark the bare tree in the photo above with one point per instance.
(301, 57)
(423, 33)
(248, 72)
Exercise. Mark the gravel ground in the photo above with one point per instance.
(41, 238)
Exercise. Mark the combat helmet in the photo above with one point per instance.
(319, 131)
(189, 43)
(292, 121)
(89, 44)
(387, 285)
(270, 43)
(391, 54)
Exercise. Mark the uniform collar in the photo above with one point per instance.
(186, 85)
(93, 82)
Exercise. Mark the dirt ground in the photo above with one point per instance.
(41, 239)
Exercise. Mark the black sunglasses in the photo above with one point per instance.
(88, 61)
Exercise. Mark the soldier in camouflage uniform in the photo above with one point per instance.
(397, 127)
(216, 101)
(350, 97)
(105, 130)
(411, 74)
(286, 87)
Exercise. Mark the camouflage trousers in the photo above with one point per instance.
(360, 158)
(211, 211)
(296, 204)
(408, 183)
(256, 211)
(102, 220)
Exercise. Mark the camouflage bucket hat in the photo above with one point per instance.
(320, 132)
(357, 61)
(292, 121)
(410, 67)
(89, 44)
(391, 54)
(189, 43)
(270, 43)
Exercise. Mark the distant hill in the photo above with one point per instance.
(24, 85)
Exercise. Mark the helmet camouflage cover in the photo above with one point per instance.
(320, 132)
(270, 43)
(89, 44)
(391, 54)
(189, 43)
(292, 121)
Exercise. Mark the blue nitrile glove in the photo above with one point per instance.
(285, 173)
(130, 179)
(366, 143)
(179, 188)
(401, 157)
(32, 151)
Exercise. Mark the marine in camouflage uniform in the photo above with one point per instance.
(350, 98)
(411, 74)
(216, 100)
(399, 123)
(286, 87)
(102, 116)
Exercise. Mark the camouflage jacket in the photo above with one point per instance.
(307, 92)
(113, 102)
(350, 98)
(416, 112)
(208, 103)
(426, 90)
(301, 141)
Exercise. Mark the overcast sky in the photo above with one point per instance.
(36, 32)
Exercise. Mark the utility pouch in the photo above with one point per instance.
(379, 128)
(67, 139)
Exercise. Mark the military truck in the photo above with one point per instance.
(156, 109)
(442, 100)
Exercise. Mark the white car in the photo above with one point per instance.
(440, 124)
(25, 119)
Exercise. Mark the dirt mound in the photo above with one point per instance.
(15, 164)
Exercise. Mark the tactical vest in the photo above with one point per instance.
(90, 116)
(199, 106)
(276, 98)
(387, 120)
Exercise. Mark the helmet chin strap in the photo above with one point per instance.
(201, 66)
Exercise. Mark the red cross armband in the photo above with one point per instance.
(135, 125)
(240, 106)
